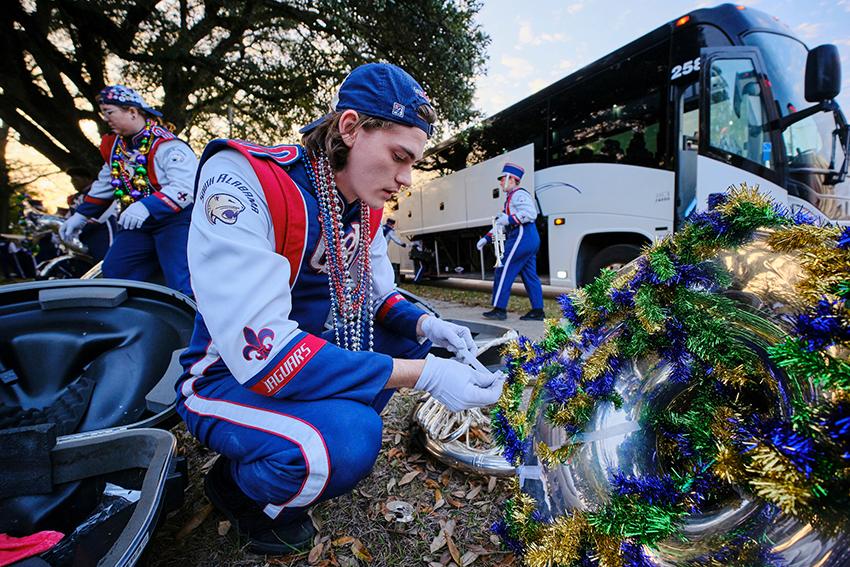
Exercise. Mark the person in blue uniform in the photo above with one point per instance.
(521, 245)
(151, 172)
(301, 337)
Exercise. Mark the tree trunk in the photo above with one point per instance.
(5, 185)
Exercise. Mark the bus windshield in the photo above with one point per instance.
(809, 142)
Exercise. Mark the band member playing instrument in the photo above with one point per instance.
(520, 248)
(283, 240)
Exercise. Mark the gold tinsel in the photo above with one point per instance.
(598, 362)
(743, 194)
(607, 550)
(553, 457)
(823, 270)
(728, 464)
(560, 544)
(802, 236)
(579, 405)
(775, 479)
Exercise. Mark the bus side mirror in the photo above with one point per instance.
(823, 73)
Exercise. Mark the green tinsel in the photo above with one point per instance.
(628, 517)
(816, 366)
(597, 291)
(662, 265)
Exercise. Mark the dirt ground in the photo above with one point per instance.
(453, 510)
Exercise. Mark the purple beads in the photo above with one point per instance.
(141, 160)
(115, 183)
(135, 194)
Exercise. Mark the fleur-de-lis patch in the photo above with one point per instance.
(257, 347)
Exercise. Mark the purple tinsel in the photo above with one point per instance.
(623, 297)
(844, 239)
(802, 216)
(823, 328)
(676, 353)
(634, 556)
(592, 337)
(562, 388)
(500, 528)
(603, 385)
(514, 447)
(796, 448)
(837, 425)
(569, 310)
(655, 490)
(712, 220)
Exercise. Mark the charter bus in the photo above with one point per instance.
(619, 153)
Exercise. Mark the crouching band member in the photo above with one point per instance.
(284, 239)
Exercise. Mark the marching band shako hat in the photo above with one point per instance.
(512, 169)
(119, 95)
(383, 91)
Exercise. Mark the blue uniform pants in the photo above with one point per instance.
(291, 454)
(157, 245)
(519, 259)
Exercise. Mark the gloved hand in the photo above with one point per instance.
(457, 385)
(72, 227)
(481, 243)
(404, 244)
(447, 335)
(134, 215)
(502, 219)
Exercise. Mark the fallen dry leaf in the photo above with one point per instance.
(315, 554)
(453, 549)
(491, 484)
(468, 558)
(360, 552)
(473, 493)
(438, 542)
(223, 527)
(340, 541)
(408, 478)
(391, 485)
(194, 522)
(453, 502)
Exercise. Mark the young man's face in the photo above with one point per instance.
(123, 121)
(508, 182)
(380, 162)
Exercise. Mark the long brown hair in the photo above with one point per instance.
(327, 136)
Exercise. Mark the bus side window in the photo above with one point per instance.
(614, 116)
(737, 114)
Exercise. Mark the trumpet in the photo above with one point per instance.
(498, 234)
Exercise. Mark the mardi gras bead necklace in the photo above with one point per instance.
(130, 187)
(350, 299)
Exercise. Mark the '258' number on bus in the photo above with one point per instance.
(685, 68)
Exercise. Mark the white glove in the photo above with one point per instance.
(72, 227)
(458, 386)
(502, 219)
(447, 335)
(134, 215)
(481, 243)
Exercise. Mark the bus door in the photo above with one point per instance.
(735, 144)
(685, 98)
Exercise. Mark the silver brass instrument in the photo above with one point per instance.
(498, 233)
(463, 439)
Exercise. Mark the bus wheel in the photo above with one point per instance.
(611, 257)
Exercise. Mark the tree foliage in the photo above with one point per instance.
(246, 68)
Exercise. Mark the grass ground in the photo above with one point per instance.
(516, 304)
(452, 510)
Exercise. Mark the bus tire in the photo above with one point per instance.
(613, 257)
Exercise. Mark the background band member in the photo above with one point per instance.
(294, 409)
(521, 244)
(152, 173)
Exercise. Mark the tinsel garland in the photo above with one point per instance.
(670, 307)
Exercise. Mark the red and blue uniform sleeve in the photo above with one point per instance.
(99, 196)
(241, 284)
(174, 169)
(520, 208)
